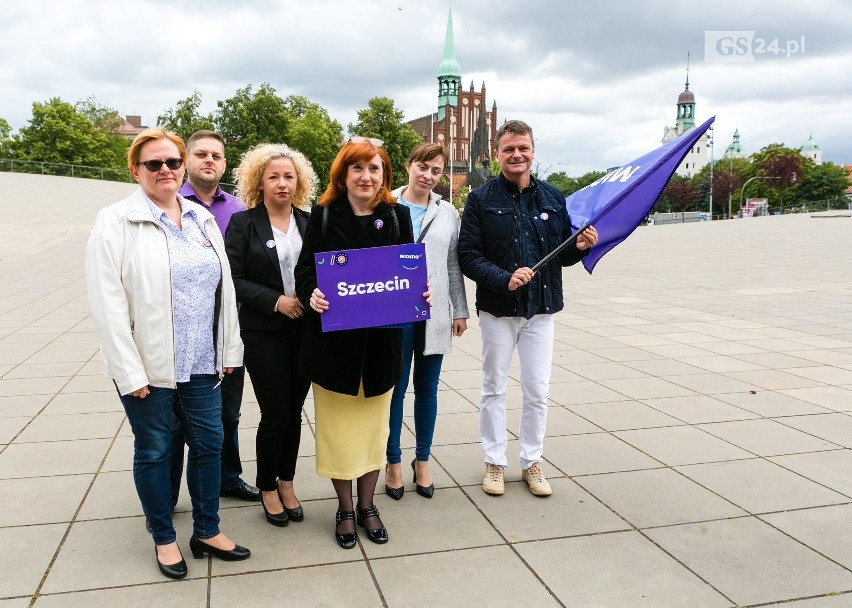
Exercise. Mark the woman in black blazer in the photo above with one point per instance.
(263, 245)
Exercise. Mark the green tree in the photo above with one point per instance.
(570, 185)
(59, 133)
(250, 118)
(5, 139)
(786, 167)
(823, 182)
(312, 132)
(729, 175)
(382, 120)
(185, 119)
(680, 194)
(107, 121)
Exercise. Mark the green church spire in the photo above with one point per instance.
(449, 73)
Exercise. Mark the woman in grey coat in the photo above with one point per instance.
(436, 224)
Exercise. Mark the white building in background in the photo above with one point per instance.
(685, 122)
(810, 149)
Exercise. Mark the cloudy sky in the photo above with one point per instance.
(598, 81)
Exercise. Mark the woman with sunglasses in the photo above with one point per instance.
(436, 224)
(263, 243)
(353, 372)
(162, 300)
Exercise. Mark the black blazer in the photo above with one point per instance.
(340, 361)
(255, 268)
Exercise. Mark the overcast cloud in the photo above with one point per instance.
(598, 81)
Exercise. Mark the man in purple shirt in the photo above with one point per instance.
(205, 165)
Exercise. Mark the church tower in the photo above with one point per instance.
(449, 73)
(735, 149)
(696, 158)
(810, 149)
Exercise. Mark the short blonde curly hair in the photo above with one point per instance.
(249, 174)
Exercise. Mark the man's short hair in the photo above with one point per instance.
(512, 127)
(204, 134)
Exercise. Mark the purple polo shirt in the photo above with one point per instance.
(224, 205)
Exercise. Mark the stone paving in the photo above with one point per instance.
(698, 442)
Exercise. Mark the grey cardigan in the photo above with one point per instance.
(445, 277)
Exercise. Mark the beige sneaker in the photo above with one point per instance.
(535, 480)
(492, 483)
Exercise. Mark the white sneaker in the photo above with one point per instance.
(493, 483)
(535, 480)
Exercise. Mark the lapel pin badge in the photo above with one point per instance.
(270, 243)
(378, 224)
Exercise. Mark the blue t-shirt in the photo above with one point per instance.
(418, 214)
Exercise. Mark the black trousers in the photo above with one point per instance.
(272, 361)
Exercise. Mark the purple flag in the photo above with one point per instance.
(618, 202)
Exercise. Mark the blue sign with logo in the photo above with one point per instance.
(373, 287)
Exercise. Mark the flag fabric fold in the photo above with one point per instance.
(619, 201)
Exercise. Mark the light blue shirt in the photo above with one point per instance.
(195, 274)
(418, 214)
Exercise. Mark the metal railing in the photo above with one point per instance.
(12, 165)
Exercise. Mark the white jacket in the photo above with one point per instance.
(445, 277)
(128, 278)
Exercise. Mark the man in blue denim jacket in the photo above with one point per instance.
(508, 225)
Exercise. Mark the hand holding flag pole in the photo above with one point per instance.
(630, 191)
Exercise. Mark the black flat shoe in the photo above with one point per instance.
(199, 548)
(347, 541)
(276, 519)
(379, 535)
(424, 491)
(176, 571)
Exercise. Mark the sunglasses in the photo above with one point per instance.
(357, 139)
(155, 165)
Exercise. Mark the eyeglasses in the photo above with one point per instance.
(155, 165)
(357, 139)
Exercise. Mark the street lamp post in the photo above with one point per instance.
(748, 181)
(710, 142)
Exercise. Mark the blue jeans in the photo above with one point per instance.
(197, 405)
(232, 468)
(427, 369)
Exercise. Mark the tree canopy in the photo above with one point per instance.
(382, 120)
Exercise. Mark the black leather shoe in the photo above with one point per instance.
(176, 571)
(199, 548)
(425, 491)
(243, 491)
(347, 541)
(297, 514)
(379, 535)
(395, 493)
(276, 519)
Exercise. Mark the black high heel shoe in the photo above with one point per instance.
(297, 514)
(424, 491)
(395, 493)
(199, 548)
(379, 535)
(176, 571)
(276, 519)
(347, 541)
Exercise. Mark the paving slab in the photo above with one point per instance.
(761, 486)
(616, 570)
(751, 562)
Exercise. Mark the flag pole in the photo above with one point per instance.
(569, 241)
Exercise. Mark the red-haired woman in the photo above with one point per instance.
(353, 372)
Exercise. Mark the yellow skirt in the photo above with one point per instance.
(351, 432)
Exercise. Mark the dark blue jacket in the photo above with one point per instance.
(490, 244)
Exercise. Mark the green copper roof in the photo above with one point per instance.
(449, 66)
(810, 144)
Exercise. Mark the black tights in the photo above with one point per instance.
(366, 485)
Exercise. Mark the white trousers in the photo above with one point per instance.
(534, 340)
